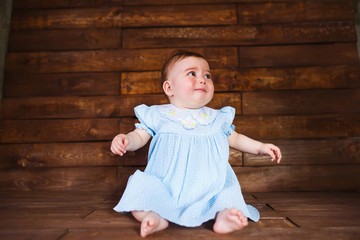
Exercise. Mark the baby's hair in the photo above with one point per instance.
(175, 57)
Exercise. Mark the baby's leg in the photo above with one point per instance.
(150, 222)
(229, 220)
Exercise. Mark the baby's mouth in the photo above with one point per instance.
(200, 89)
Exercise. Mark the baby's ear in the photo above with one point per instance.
(167, 87)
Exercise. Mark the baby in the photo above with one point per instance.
(188, 179)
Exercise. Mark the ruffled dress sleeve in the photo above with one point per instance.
(228, 114)
(148, 117)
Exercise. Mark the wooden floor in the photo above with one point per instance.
(67, 215)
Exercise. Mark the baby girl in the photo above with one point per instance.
(188, 179)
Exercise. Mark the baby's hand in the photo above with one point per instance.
(119, 144)
(271, 150)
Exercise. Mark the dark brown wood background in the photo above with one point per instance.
(76, 69)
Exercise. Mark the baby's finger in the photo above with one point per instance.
(277, 152)
(271, 154)
(279, 156)
(125, 143)
(122, 142)
(116, 149)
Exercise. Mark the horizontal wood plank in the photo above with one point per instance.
(76, 107)
(101, 179)
(42, 218)
(311, 152)
(152, 59)
(287, 127)
(63, 84)
(259, 179)
(32, 234)
(254, 79)
(239, 35)
(42, 155)
(301, 102)
(298, 56)
(254, 103)
(109, 60)
(302, 126)
(116, 16)
(94, 107)
(180, 15)
(258, 127)
(251, 232)
(66, 18)
(92, 154)
(85, 154)
(73, 199)
(299, 178)
(69, 130)
(295, 11)
(180, 2)
(297, 200)
(29, 4)
(150, 82)
(71, 39)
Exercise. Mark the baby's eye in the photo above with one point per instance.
(192, 74)
(208, 76)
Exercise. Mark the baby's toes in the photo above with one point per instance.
(242, 218)
(244, 221)
(235, 212)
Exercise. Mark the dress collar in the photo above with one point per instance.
(189, 118)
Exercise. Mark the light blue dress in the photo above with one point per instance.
(188, 178)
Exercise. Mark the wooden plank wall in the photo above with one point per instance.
(76, 69)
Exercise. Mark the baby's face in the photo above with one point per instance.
(190, 82)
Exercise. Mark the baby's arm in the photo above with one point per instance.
(248, 145)
(129, 142)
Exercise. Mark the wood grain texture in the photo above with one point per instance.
(260, 179)
(71, 39)
(302, 126)
(152, 59)
(341, 151)
(296, 11)
(239, 35)
(254, 79)
(299, 178)
(180, 15)
(43, 215)
(76, 69)
(69, 130)
(298, 56)
(66, 18)
(94, 107)
(66, 84)
(287, 78)
(270, 127)
(82, 154)
(181, 2)
(46, 155)
(100, 179)
(30, 4)
(301, 102)
(109, 60)
(76, 107)
(117, 16)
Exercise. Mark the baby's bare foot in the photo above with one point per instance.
(229, 220)
(151, 223)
